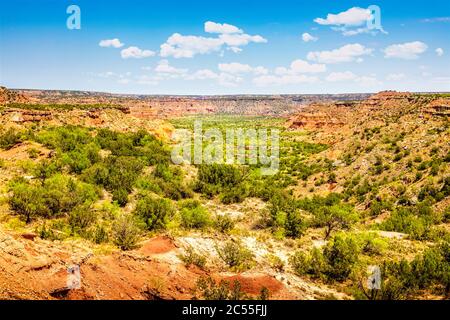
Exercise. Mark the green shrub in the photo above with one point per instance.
(120, 196)
(80, 219)
(294, 226)
(99, 234)
(235, 255)
(275, 262)
(29, 201)
(209, 289)
(125, 232)
(64, 193)
(406, 220)
(194, 215)
(312, 263)
(10, 138)
(341, 254)
(279, 205)
(224, 223)
(154, 212)
(58, 195)
(212, 179)
(371, 244)
(190, 257)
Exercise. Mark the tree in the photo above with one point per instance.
(335, 217)
(294, 225)
(341, 255)
(29, 201)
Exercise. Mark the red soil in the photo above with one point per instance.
(254, 283)
(157, 245)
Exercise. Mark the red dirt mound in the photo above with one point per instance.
(253, 284)
(157, 245)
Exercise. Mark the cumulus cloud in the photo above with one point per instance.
(351, 22)
(347, 53)
(368, 81)
(238, 68)
(230, 37)
(115, 43)
(301, 66)
(268, 80)
(147, 80)
(212, 27)
(407, 51)
(395, 76)
(222, 78)
(294, 74)
(352, 17)
(135, 52)
(341, 76)
(348, 76)
(306, 37)
(229, 80)
(164, 67)
(203, 74)
(440, 52)
(179, 46)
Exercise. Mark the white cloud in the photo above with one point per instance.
(237, 40)
(352, 17)
(234, 49)
(228, 80)
(351, 22)
(238, 68)
(306, 37)
(347, 53)
(223, 79)
(147, 80)
(301, 66)
(260, 70)
(408, 51)
(438, 19)
(440, 52)
(180, 46)
(268, 80)
(124, 81)
(354, 32)
(368, 81)
(164, 67)
(230, 37)
(135, 52)
(115, 43)
(348, 76)
(203, 74)
(395, 76)
(341, 76)
(212, 27)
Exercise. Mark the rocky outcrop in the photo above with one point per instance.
(21, 115)
(439, 107)
(9, 96)
(314, 120)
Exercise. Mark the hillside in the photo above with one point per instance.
(361, 183)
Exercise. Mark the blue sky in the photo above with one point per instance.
(226, 47)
